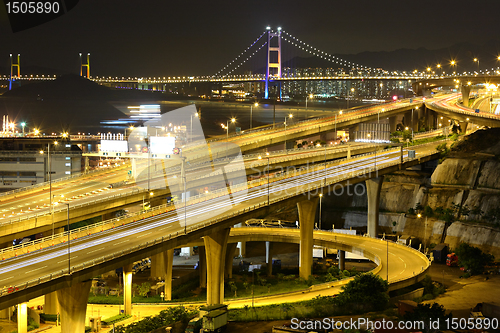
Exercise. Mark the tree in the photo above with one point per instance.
(144, 289)
(233, 287)
(365, 291)
(472, 258)
(428, 313)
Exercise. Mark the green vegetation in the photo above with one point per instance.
(115, 319)
(31, 325)
(431, 289)
(473, 259)
(427, 313)
(366, 292)
(48, 317)
(142, 289)
(85, 223)
(166, 317)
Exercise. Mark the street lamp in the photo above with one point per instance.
(289, 116)
(226, 127)
(69, 237)
(22, 125)
(36, 131)
(251, 112)
(320, 199)
(50, 184)
(310, 96)
(453, 63)
(267, 156)
(347, 99)
(477, 61)
(340, 113)
(196, 115)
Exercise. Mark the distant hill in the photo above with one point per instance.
(69, 103)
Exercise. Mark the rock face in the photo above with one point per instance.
(469, 176)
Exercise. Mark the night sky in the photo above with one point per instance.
(167, 37)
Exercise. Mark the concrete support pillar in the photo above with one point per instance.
(242, 247)
(73, 305)
(348, 152)
(202, 267)
(161, 269)
(341, 255)
(87, 166)
(6, 313)
(307, 216)
(269, 258)
(465, 90)
(373, 187)
(22, 318)
(228, 266)
(393, 121)
(51, 306)
(127, 289)
(215, 248)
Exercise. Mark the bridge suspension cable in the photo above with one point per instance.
(240, 55)
(248, 58)
(324, 55)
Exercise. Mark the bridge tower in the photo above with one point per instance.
(273, 67)
(87, 65)
(12, 65)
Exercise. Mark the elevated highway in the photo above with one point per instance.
(28, 212)
(45, 270)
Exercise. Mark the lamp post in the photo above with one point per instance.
(476, 60)
(131, 128)
(320, 199)
(22, 125)
(289, 116)
(196, 115)
(69, 238)
(310, 96)
(340, 113)
(251, 113)
(226, 127)
(453, 63)
(347, 99)
(50, 184)
(267, 156)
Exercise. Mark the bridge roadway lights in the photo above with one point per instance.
(373, 187)
(73, 306)
(127, 289)
(307, 216)
(22, 318)
(161, 267)
(215, 248)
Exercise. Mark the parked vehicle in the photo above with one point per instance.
(452, 260)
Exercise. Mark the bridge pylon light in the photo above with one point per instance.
(87, 65)
(12, 65)
(273, 67)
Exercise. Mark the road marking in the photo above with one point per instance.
(7, 278)
(96, 250)
(122, 242)
(35, 269)
(67, 259)
(145, 234)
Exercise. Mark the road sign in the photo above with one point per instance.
(129, 172)
(238, 130)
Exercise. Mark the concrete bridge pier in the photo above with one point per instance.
(202, 266)
(161, 268)
(22, 318)
(215, 248)
(465, 90)
(393, 121)
(269, 257)
(307, 216)
(228, 266)
(127, 289)
(373, 187)
(73, 305)
(51, 305)
(341, 255)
